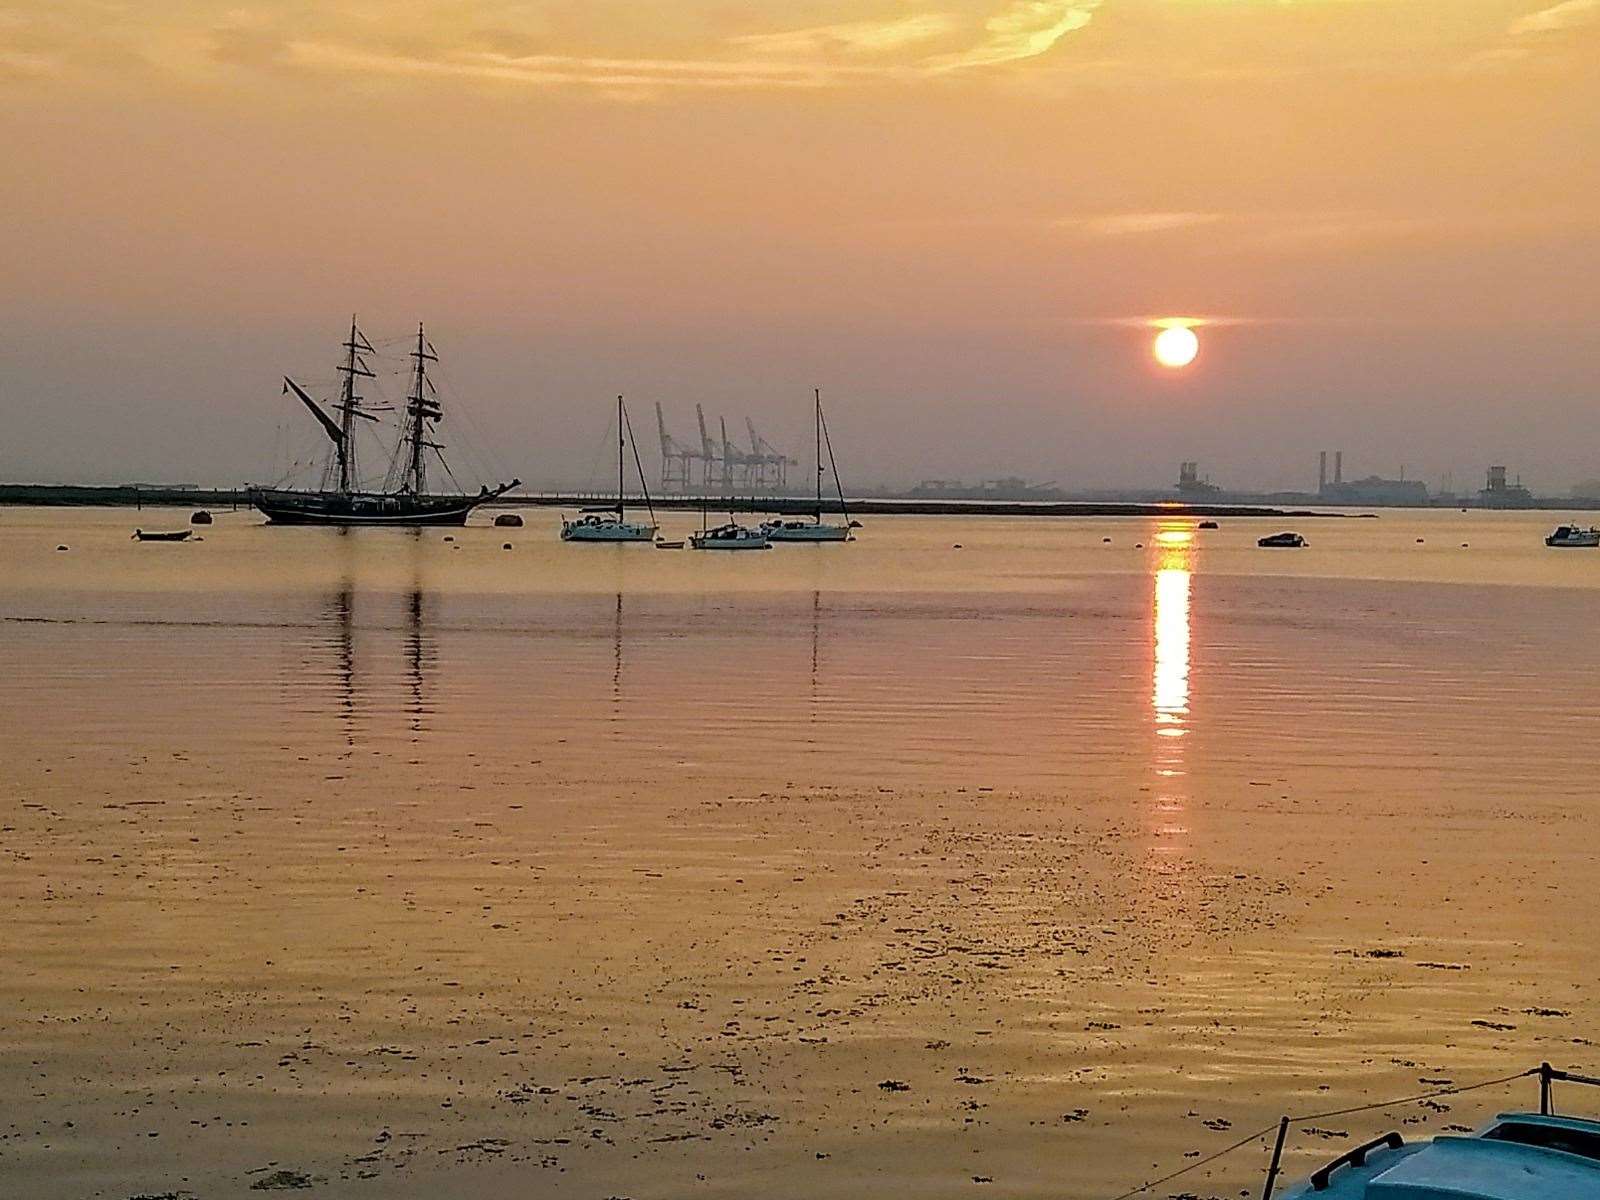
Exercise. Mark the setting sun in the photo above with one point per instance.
(1176, 346)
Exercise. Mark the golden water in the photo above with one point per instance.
(423, 867)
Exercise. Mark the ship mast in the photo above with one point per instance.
(422, 406)
(350, 407)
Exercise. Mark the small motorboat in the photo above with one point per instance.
(731, 536)
(1207, 525)
(200, 517)
(663, 544)
(1289, 540)
(181, 535)
(1574, 536)
(1516, 1156)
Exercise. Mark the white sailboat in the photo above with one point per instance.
(611, 524)
(816, 529)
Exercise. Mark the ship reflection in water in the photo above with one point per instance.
(357, 683)
(1169, 692)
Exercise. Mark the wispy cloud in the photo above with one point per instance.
(1135, 224)
(1567, 15)
(1024, 29)
(556, 70)
(854, 37)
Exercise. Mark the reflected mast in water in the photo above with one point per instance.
(420, 657)
(616, 667)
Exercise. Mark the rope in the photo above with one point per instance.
(1210, 1158)
(1449, 1091)
(1318, 1116)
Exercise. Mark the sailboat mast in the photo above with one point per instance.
(817, 393)
(622, 442)
(838, 484)
(644, 487)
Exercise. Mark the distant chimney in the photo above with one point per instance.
(1322, 471)
(1338, 466)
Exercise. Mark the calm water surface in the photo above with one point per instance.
(375, 795)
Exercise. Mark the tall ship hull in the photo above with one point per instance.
(361, 508)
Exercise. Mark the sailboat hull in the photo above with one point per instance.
(607, 531)
(361, 508)
(799, 532)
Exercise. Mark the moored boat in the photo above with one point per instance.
(1574, 536)
(816, 529)
(731, 536)
(1286, 539)
(611, 524)
(405, 498)
(180, 535)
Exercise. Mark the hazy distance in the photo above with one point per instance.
(952, 216)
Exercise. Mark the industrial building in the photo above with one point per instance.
(1498, 493)
(1374, 489)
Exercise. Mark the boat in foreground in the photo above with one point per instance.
(405, 499)
(1516, 1156)
(611, 524)
(816, 529)
(731, 536)
(1574, 537)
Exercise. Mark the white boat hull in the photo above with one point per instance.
(749, 539)
(610, 531)
(807, 533)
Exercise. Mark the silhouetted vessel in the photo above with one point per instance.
(1292, 541)
(405, 500)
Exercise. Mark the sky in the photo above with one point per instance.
(957, 217)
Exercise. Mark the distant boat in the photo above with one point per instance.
(1573, 536)
(731, 536)
(181, 535)
(611, 524)
(1291, 540)
(816, 530)
(407, 501)
(1207, 525)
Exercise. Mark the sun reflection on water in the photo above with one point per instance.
(1169, 692)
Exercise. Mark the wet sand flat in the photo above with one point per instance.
(402, 869)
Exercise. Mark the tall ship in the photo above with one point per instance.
(405, 498)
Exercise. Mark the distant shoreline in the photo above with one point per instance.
(132, 496)
(140, 496)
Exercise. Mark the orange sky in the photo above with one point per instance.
(944, 213)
